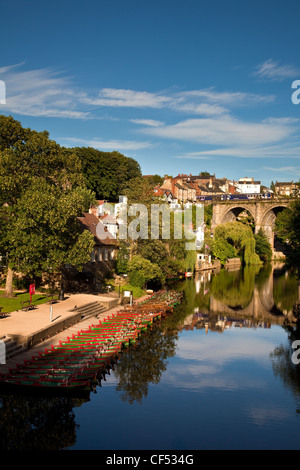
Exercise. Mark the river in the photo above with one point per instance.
(217, 374)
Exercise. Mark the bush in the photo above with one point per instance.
(141, 271)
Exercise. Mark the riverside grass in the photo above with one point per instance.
(12, 304)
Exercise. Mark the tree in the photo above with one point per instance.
(240, 237)
(41, 186)
(262, 246)
(107, 173)
(44, 231)
(222, 249)
(141, 271)
(154, 180)
(287, 227)
(122, 258)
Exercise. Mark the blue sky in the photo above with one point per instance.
(181, 86)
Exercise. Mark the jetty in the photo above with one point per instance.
(82, 360)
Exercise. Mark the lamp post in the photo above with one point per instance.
(61, 295)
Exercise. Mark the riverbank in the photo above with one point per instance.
(38, 329)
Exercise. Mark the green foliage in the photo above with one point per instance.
(107, 173)
(169, 253)
(222, 250)
(141, 271)
(31, 159)
(136, 291)
(122, 258)
(140, 191)
(287, 227)
(208, 212)
(44, 232)
(42, 193)
(262, 246)
(155, 180)
(240, 237)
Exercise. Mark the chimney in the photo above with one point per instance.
(94, 211)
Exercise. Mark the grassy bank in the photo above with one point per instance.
(15, 303)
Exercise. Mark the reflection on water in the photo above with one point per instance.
(220, 368)
(252, 296)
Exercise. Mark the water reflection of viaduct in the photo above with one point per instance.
(262, 305)
(263, 211)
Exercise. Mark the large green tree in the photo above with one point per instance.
(42, 191)
(235, 239)
(107, 173)
(44, 232)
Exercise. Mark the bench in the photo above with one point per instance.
(27, 305)
(52, 298)
(2, 314)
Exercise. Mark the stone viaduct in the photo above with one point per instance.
(263, 211)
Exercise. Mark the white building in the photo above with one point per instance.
(248, 186)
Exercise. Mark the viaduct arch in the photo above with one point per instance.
(263, 211)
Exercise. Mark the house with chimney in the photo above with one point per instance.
(180, 188)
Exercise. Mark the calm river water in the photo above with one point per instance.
(217, 374)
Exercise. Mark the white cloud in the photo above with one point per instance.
(271, 69)
(226, 131)
(47, 92)
(127, 98)
(147, 122)
(40, 92)
(276, 151)
(107, 144)
(228, 98)
(291, 170)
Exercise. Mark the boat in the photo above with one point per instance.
(188, 274)
(80, 360)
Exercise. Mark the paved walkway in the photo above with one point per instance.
(39, 319)
(25, 323)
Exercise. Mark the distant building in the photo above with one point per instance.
(179, 188)
(285, 188)
(248, 186)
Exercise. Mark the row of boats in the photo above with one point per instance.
(83, 359)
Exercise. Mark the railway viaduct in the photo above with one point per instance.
(263, 211)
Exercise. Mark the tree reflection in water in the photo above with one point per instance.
(235, 288)
(37, 423)
(143, 365)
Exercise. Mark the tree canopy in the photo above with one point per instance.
(107, 174)
(235, 239)
(42, 192)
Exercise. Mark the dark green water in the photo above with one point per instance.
(218, 374)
